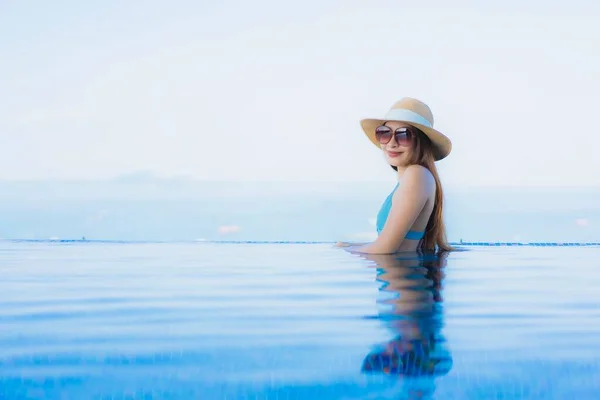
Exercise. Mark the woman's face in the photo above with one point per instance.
(396, 142)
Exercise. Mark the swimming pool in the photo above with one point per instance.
(296, 321)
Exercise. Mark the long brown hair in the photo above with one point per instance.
(435, 232)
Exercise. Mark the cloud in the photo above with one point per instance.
(582, 222)
(226, 229)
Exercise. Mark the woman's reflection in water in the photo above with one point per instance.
(410, 306)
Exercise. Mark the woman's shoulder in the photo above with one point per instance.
(417, 174)
(417, 181)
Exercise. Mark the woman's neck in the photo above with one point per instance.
(400, 172)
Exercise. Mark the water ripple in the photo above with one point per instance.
(106, 319)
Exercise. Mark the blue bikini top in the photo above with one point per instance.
(384, 211)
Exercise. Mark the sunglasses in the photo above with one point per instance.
(403, 135)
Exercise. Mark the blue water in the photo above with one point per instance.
(296, 321)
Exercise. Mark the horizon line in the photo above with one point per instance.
(460, 243)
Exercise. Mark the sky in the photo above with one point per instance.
(274, 91)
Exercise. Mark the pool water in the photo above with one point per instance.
(296, 321)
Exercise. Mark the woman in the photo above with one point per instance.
(411, 217)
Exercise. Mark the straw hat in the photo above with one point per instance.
(416, 113)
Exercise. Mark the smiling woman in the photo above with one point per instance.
(411, 217)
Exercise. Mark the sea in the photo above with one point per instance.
(183, 210)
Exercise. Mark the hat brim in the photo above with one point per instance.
(442, 146)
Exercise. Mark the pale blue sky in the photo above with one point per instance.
(267, 90)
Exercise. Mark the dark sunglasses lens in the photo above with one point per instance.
(403, 136)
(383, 134)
